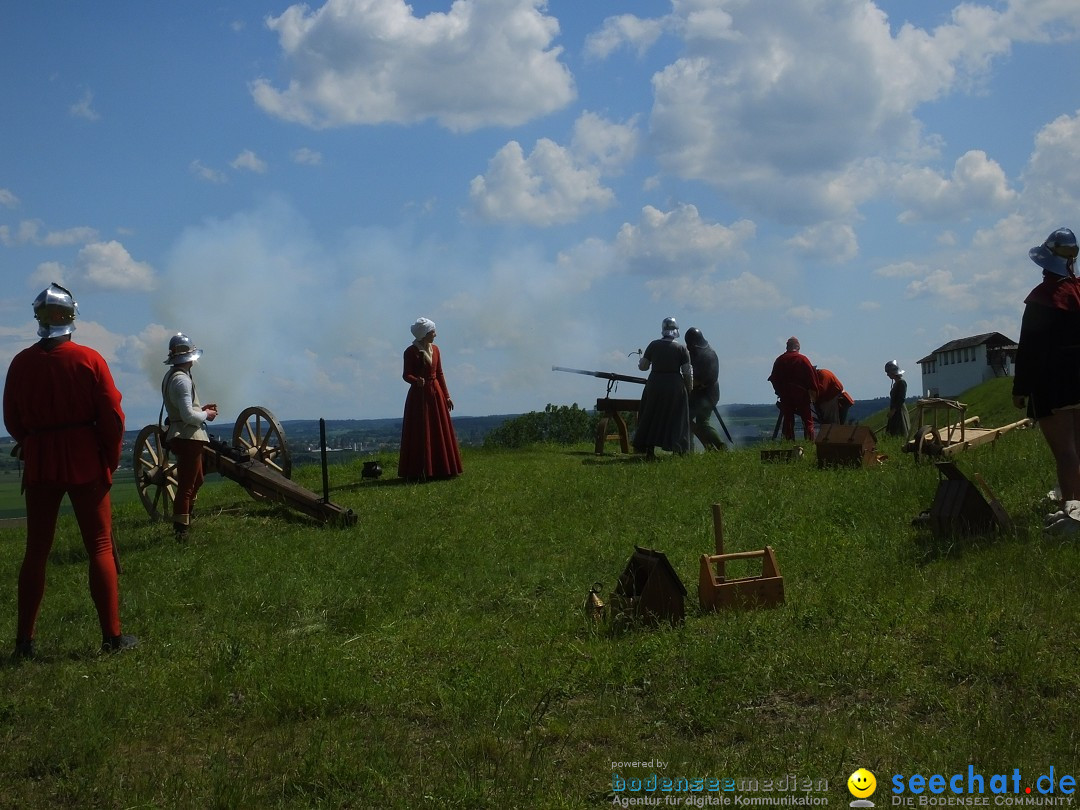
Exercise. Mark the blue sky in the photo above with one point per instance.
(292, 186)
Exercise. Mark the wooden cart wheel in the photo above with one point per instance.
(155, 473)
(261, 436)
(928, 442)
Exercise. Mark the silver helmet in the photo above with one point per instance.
(1057, 254)
(182, 350)
(55, 310)
(669, 328)
(893, 368)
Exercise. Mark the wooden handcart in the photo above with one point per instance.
(945, 429)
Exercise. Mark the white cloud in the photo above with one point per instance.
(679, 242)
(1051, 178)
(746, 292)
(108, 265)
(943, 291)
(30, 232)
(829, 241)
(482, 63)
(555, 184)
(901, 270)
(307, 157)
(547, 188)
(250, 161)
(206, 173)
(639, 33)
(977, 184)
(774, 103)
(8, 199)
(807, 314)
(1043, 20)
(604, 143)
(48, 272)
(84, 107)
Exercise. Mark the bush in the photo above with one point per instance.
(557, 424)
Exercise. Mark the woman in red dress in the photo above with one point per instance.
(429, 447)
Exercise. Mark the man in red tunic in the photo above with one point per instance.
(795, 382)
(63, 411)
(833, 402)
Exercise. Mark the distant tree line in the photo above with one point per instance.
(556, 424)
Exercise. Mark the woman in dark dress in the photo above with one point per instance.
(429, 447)
(898, 423)
(664, 415)
(1047, 376)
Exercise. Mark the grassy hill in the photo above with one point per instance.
(436, 655)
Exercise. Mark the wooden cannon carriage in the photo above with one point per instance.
(958, 433)
(258, 459)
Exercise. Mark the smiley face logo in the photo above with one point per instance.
(861, 783)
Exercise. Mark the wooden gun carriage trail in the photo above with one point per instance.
(258, 460)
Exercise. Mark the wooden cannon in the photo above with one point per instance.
(258, 460)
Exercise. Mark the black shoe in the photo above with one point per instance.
(180, 531)
(119, 643)
(24, 649)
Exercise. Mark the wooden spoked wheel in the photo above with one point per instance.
(928, 442)
(155, 473)
(258, 434)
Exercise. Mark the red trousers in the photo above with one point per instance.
(94, 515)
(801, 407)
(189, 477)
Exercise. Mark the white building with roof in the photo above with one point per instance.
(961, 364)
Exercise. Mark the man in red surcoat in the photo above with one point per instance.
(833, 402)
(63, 411)
(795, 382)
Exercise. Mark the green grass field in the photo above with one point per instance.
(11, 499)
(437, 654)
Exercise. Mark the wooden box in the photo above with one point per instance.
(846, 446)
(716, 590)
(782, 456)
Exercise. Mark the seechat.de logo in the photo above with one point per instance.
(862, 785)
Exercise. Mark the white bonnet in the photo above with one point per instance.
(422, 327)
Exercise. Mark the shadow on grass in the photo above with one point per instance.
(369, 483)
(594, 460)
(930, 547)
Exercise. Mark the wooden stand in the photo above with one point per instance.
(715, 591)
(609, 408)
(959, 508)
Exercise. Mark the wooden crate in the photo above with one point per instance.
(783, 456)
(846, 446)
